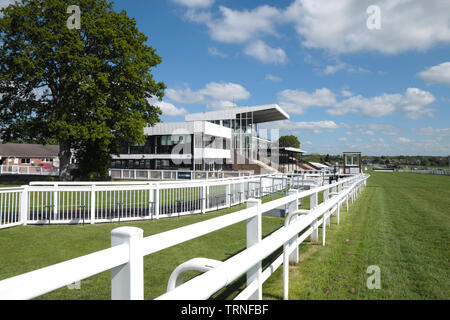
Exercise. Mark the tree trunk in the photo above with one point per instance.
(64, 160)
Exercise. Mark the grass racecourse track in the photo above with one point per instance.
(400, 223)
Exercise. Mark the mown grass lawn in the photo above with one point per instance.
(400, 223)
(28, 248)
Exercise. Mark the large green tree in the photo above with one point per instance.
(87, 88)
(289, 141)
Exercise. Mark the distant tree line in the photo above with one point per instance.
(385, 161)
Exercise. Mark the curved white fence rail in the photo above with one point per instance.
(125, 257)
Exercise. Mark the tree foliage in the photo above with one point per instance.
(289, 141)
(86, 88)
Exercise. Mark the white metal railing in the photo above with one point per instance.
(125, 257)
(29, 170)
(144, 174)
(10, 206)
(431, 171)
(98, 202)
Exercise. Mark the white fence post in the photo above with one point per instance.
(292, 207)
(313, 202)
(337, 211)
(55, 202)
(93, 204)
(127, 280)
(328, 220)
(254, 235)
(228, 195)
(156, 202)
(289, 256)
(24, 205)
(204, 194)
(326, 195)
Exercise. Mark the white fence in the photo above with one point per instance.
(125, 257)
(10, 206)
(140, 174)
(29, 170)
(96, 202)
(433, 171)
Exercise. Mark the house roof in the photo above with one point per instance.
(264, 113)
(28, 150)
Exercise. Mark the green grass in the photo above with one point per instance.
(28, 248)
(400, 223)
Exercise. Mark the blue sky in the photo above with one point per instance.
(347, 85)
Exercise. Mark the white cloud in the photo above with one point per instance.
(5, 3)
(413, 102)
(315, 126)
(403, 140)
(346, 93)
(373, 129)
(243, 26)
(340, 26)
(225, 90)
(369, 107)
(213, 95)
(195, 3)
(264, 53)
(198, 16)
(236, 26)
(168, 109)
(342, 139)
(430, 131)
(220, 104)
(437, 74)
(216, 52)
(185, 96)
(273, 78)
(297, 101)
(332, 69)
(335, 26)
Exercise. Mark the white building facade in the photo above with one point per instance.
(190, 145)
(206, 141)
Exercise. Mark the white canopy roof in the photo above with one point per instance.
(319, 165)
(264, 113)
(294, 150)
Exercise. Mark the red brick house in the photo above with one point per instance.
(23, 154)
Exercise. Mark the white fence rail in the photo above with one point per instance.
(11, 202)
(29, 170)
(74, 202)
(91, 202)
(125, 257)
(141, 174)
(431, 171)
